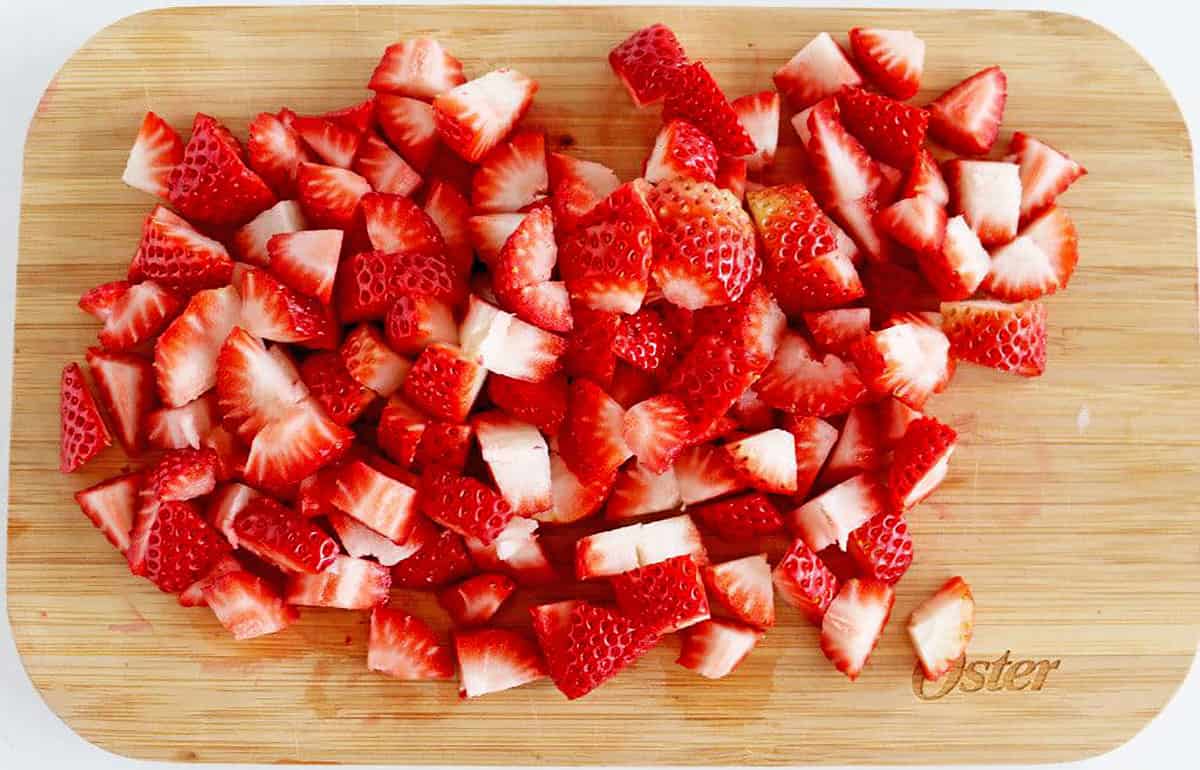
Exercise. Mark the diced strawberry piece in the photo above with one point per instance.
(831, 516)
(283, 537)
(743, 586)
(704, 472)
(516, 552)
(330, 142)
(212, 184)
(513, 175)
(449, 210)
(604, 554)
(854, 622)
(275, 152)
(250, 242)
(382, 503)
(182, 474)
(409, 126)
(576, 186)
(295, 446)
(507, 345)
(586, 645)
(882, 548)
(606, 259)
(940, 629)
(893, 59)
(592, 439)
(655, 430)
(417, 320)
(225, 504)
(827, 281)
(231, 453)
(1046, 172)
(795, 232)
(172, 545)
(841, 168)
(804, 581)
(156, 152)
(681, 149)
(571, 499)
(518, 459)
(384, 168)
(404, 647)
(891, 131)
(247, 605)
(489, 233)
(1020, 270)
(99, 301)
(647, 62)
(1054, 233)
(909, 360)
(476, 116)
(668, 538)
(663, 597)
(892, 289)
(920, 461)
(740, 518)
(358, 117)
(814, 439)
(890, 181)
(346, 584)
(925, 178)
(759, 116)
(802, 382)
(857, 218)
(395, 223)
(818, 70)
(766, 461)
(474, 601)
(589, 352)
(306, 260)
(255, 387)
(631, 385)
(343, 398)
(638, 492)
(521, 274)
(714, 648)
(400, 429)
(329, 195)
(125, 383)
(361, 541)
(444, 382)
(495, 659)
(543, 404)
(176, 256)
(859, 448)
(419, 67)
(917, 223)
(836, 331)
(464, 505)
(695, 96)
(273, 311)
(960, 266)
(966, 119)
(370, 282)
(988, 195)
(185, 355)
(442, 561)
(111, 505)
(371, 362)
(193, 595)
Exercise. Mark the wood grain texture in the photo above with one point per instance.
(1072, 506)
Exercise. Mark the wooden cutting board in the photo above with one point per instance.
(1071, 506)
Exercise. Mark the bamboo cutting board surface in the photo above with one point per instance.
(1071, 506)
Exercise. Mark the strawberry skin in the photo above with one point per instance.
(804, 581)
(740, 518)
(681, 149)
(464, 505)
(283, 537)
(882, 547)
(543, 404)
(663, 597)
(443, 561)
(647, 62)
(586, 645)
(212, 183)
(892, 132)
(1011, 338)
(84, 434)
(695, 96)
(404, 647)
(606, 259)
(853, 623)
(966, 119)
(182, 474)
(920, 461)
(444, 382)
(172, 545)
(893, 59)
(177, 257)
(341, 396)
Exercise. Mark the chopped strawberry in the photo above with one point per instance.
(909, 360)
(854, 622)
(740, 518)
(655, 430)
(516, 552)
(988, 195)
(212, 183)
(400, 429)
(608, 553)
(306, 260)
(383, 167)
(957, 269)
(474, 601)
(586, 645)
(836, 331)
(361, 541)
(513, 175)
(714, 648)
(275, 152)
(111, 505)
(156, 152)
(185, 355)
(125, 383)
(172, 253)
(247, 605)
(1020, 270)
(940, 629)
(1046, 173)
(329, 195)
(859, 448)
(681, 149)
(695, 96)
(255, 386)
(606, 260)
(495, 659)
(283, 537)
(882, 547)
(250, 241)
(630, 385)
(395, 223)
(804, 581)
(226, 502)
(99, 301)
(417, 320)
(916, 223)
(342, 397)
(589, 352)
(752, 414)
(476, 116)
(966, 119)
(382, 503)
(193, 595)
(638, 492)
(521, 274)
(571, 499)
(857, 218)
(893, 59)
(920, 461)
(841, 168)
(814, 439)
(592, 439)
(1011, 338)
(489, 233)
(419, 67)
(464, 505)
(925, 178)
(663, 597)
(182, 474)
(358, 117)
(766, 461)
(816, 71)
(543, 404)
(743, 586)
(172, 545)
(230, 451)
(704, 472)
(440, 562)
(890, 181)
(892, 132)
(404, 647)
(518, 459)
(449, 210)
(371, 362)
(506, 345)
(444, 382)
(759, 115)
(409, 126)
(794, 231)
(370, 282)
(576, 186)
(273, 311)
(346, 584)
(831, 516)
(647, 62)
(330, 142)
(1054, 233)
(802, 382)
(295, 446)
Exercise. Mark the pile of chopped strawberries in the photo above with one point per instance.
(396, 344)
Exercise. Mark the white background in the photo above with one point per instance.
(37, 36)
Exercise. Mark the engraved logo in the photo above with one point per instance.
(991, 675)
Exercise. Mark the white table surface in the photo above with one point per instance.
(37, 36)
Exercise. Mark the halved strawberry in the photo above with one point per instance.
(442, 561)
(275, 152)
(185, 355)
(966, 119)
(663, 597)
(695, 96)
(766, 460)
(125, 383)
(296, 445)
(370, 282)
(172, 253)
(255, 386)
(449, 210)
(1054, 233)
(306, 260)
(960, 266)
(519, 461)
(592, 441)
(818, 70)
(804, 581)
(704, 472)
(329, 382)
(916, 223)
(419, 67)
(111, 505)
(882, 547)
(273, 311)
(172, 545)
(740, 518)
(743, 586)
(444, 382)
(920, 461)
(909, 360)
(606, 259)
(801, 381)
(893, 59)
(182, 474)
(836, 331)
(409, 126)
(681, 149)
(474, 601)
(854, 622)
(647, 63)
(831, 516)
(988, 195)
(941, 627)
(383, 167)
(247, 605)
(714, 648)
(371, 362)
(404, 647)
(495, 659)
(759, 115)
(346, 584)
(638, 492)
(283, 537)
(250, 242)
(513, 175)
(655, 431)
(925, 178)
(1046, 172)
(476, 116)
(576, 186)
(155, 153)
(841, 168)
(99, 301)
(892, 132)
(330, 142)
(586, 645)
(1011, 338)
(329, 195)
(382, 503)
(212, 184)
